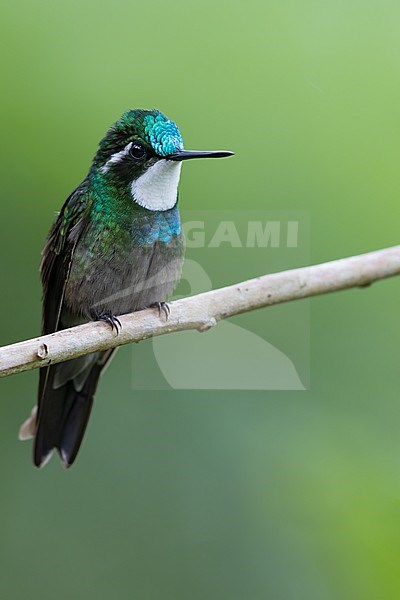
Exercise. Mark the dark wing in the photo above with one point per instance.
(58, 253)
(56, 264)
(65, 390)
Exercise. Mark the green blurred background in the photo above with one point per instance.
(217, 495)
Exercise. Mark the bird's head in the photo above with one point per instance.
(143, 151)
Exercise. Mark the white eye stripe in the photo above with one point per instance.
(117, 157)
(157, 188)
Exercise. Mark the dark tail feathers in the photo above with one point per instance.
(64, 409)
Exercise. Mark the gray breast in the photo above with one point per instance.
(125, 282)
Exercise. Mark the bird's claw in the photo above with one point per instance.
(112, 320)
(162, 306)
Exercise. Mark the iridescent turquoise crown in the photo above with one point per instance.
(162, 133)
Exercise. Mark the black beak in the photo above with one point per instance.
(187, 154)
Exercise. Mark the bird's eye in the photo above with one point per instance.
(138, 152)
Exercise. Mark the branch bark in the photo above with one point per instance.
(202, 311)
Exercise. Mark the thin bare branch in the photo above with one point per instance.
(204, 310)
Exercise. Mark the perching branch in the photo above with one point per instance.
(204, 310)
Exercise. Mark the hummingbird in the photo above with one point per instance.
(116, 247)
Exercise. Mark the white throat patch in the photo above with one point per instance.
(157, 188)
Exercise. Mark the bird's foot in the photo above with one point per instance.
(162, 306)
(111, 319)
